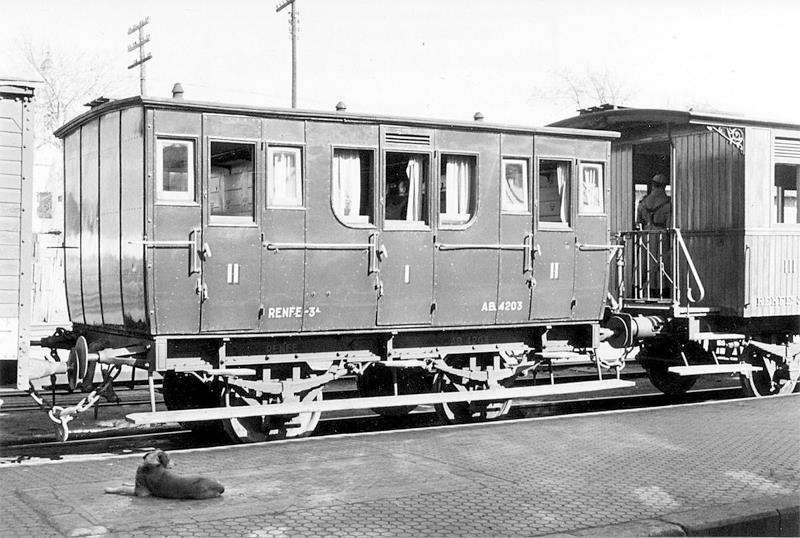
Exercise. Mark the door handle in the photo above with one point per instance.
(527, 264)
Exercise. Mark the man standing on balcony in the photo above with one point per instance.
(654, 214)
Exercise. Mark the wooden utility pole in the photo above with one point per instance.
(293, 21)
(142, 56)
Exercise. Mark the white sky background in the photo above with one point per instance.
(440, 58)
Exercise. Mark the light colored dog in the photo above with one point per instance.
(153, 478)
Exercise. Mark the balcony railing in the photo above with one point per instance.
(654, 266)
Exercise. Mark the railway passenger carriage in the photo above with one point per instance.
(730, 270)
(253, 255)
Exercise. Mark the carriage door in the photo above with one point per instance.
(174, 238)
(516, 228)
(405, 291)
(554, 241)
(231, 236)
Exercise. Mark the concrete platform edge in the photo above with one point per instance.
(767, 516)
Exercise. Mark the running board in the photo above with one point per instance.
(217, 413)
(705, 369)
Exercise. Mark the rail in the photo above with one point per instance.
(657, 258)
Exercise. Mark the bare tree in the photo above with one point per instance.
(69, 79)
(593, 87)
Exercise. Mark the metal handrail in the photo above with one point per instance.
(692, 268)
(645, 253)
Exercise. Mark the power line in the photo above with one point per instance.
(142, 56)
(293, 21)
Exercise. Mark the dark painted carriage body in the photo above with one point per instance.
(734, 185)
(140, 266)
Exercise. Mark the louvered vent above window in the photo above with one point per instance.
(787, 148)
(408, 139)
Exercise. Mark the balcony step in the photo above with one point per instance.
(216, 413)
(711, 336)
(706, 369)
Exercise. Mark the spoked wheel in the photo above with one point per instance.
(776, 377)
(667, 382)
(658, 355)
(459, 412)
(379, 380)
(183, 390)
(257, 429)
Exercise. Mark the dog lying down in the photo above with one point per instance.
(153, 478)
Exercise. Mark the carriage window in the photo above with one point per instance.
(784, 193)
(406, 187)
(231, 180)
(515, 186)
(175, 170)
(457, 189)
(352, 185)
(590, 195)
(554, 182)
(284, 178)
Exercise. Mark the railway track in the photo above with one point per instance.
(172, 437)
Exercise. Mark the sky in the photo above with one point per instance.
(437, 58)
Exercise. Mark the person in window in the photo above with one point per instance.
(654, 214)
(397, 200)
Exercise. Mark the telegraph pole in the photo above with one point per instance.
(142, 56)
(293, 21)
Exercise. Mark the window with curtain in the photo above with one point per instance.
(554, 191)
(514, 186)
(284, 177)
(457, 188)
(231, 179)
(590, 198)
(407, 193)
(351, 193)
(175, 170)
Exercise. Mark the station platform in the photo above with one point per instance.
(722, 468)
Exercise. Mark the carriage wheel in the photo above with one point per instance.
(183, 390)
(459, 412)
(657, 356)
(257, 429)
(776, 377)
(378, 380)
(667, 382)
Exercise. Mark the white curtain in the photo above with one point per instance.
(562, 173)
(285, 187)
(414, 174)
(457, 182)
(347, 184)
(590, 190)
(515, 187)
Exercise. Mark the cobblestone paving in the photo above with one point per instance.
(524, 478)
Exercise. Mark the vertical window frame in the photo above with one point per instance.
(358, 223)
(454, 224)
(582, 168)
(391, 224)
(233, 220)
(773, 195)
(526, 162)
(300, 168)
(164, 197)
(551, 225)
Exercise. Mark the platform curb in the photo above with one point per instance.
(765, 516)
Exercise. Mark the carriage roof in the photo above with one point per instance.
(624, 118)
(300, 114)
